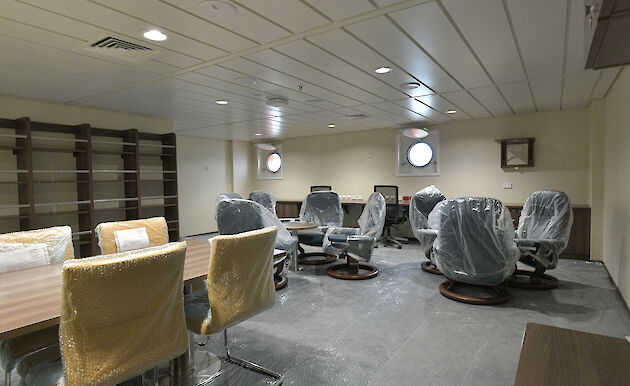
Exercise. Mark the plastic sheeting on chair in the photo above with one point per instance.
(322, 208)
(19, 250)
(422, 203)
(264, 198)
(116, 236)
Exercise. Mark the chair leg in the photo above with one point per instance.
(250, 365)
(350, 270)
(429, 267)
(536, 279)
(7, 377)
(326, 258)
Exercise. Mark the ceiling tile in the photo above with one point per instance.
(578, 88)
(285, 13)
(422, 109)
(492, 100)
(519, 97)
(485, 26)
(547, 93)
(463, 100)
(576, 48)
(428, 26)
(442, 105)
(337, 10)
(605, 81)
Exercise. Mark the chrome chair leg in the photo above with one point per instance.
(7, 378)
(250, 365)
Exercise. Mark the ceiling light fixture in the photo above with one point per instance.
(155, 35)
(215, 9)
(415, 133)
(257, 134)
(410, 85)
(221, 102)
(245, 80)
(382, 70)
(451, 111)
(331, 126)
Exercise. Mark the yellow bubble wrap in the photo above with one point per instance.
(56, 240)
(156, 230)
(240, 282)
(122, 314)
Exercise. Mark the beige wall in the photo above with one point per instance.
(616, 202)
(242, 174)
(470, 160)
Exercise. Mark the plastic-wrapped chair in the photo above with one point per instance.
(264, 198)
(240, 286)
(357, 243)
(475, 245)
(129, 330)
(543, 232)
(22, 250)
(422, 203)
(238, 216)
(123, 236)
(324, 209)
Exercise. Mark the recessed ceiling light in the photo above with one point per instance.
(257, 134)
(410, 85)
(451, 111)
(215, 9)
(155, 35)
(415, 133)
(330, 126)
(245, 80)
(222, 102)
(382, 70)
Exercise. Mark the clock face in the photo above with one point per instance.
(420, 154)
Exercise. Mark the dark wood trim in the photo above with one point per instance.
(169, 163)
(85, 190)
(24, 161)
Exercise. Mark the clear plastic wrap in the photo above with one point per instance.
(422, 203)
(237, 216)
(14, 349)
(264, 198)
(109, 241)
(39, 246)
(475, 241)
(122, 314)
(544, 227)
(240, 282)
(359, 241)
(322, 208)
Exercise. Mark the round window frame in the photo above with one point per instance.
(267, 162)
(409, 151)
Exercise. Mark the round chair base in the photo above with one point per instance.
(280, 284)
(326, 258)
(343, 271)
(429, 267)
(502, 295)
(527, 280)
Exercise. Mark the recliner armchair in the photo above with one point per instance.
(357, 243)
(475, 245)
(394, 215)
(324, 209)
(264, 198)
(543, 232)
(422, 203)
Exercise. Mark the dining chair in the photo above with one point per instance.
(123, 236)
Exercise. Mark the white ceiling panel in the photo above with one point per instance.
(463, 100)
(442, 105)
(485, 26)
(284, 13)
(402, 112)
(337, 42)
(386, 115)
(578, 88)
(384, 37)
(247, 23)
(576, 48)
(428, 26)
(539, 26)
(386, 3)
(422, 109)
(492, 100)
(337, 10)
(518, 97)
(605, 81)
(547, 93)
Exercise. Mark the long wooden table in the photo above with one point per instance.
(557, 356)
(30, 299)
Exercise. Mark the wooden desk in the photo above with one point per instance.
(30, 299)
(557, 356)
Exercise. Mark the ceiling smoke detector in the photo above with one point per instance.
(277, 101)
(215, 9)
(245, 80)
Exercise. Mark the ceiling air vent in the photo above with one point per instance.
(121, 49)
(354, 117)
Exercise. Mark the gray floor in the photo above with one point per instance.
(397, 329)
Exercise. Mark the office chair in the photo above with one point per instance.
(320, 188)
(422, 203)
(264, 198)
(394, 215)
(357, 243)
(543, 232)
(475, 246)
(238, 216)
(122, 236)
(240, 286)
(324, 209)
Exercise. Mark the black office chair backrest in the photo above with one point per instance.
(322, 208)
(546, 215)
(320, 188)
(390, 194)
(475, 242)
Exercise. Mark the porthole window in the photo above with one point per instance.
(274, 162)
(420, 154)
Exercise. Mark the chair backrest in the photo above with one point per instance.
(320, 188)
(110, 234)
(475, 241)
(322, 208)
(546, 215)
(264, 198)
(421, 205)
(390, 193)
(20, 250)
(240, 280)
(238, 216)
(372, 218)
(122, 314)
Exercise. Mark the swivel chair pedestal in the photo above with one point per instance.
(352, 269)
(536, 279)
(303, 257)
(501, 295)
(429, 267)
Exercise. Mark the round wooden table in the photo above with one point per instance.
(294, 227)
